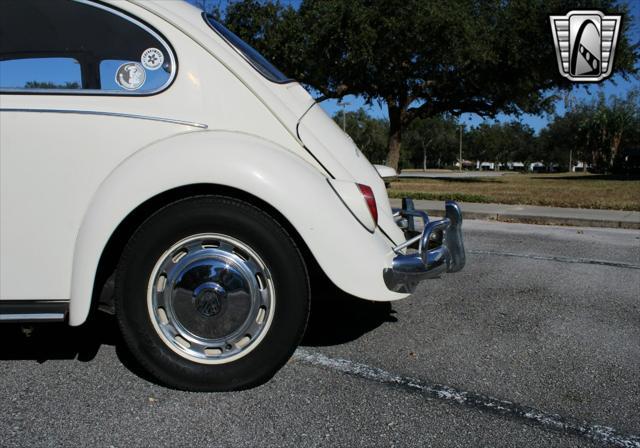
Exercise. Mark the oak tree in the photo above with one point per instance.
(422, 58)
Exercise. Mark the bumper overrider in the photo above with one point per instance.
(435, 250)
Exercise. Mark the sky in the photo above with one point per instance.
(616, 85)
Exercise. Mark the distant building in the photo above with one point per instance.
(487, 166)
(466, 164)
(537, 167)
(580, 166)
(515, 166)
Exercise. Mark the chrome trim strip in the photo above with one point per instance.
(31, 317)
(107, 114)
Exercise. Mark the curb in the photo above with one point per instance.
(538, 217)
(541, 220)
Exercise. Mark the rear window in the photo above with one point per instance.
(259, 62)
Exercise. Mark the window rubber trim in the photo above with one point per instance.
(249, 61)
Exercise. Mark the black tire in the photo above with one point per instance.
(258, 231)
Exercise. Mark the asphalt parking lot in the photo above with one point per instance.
(535, 343)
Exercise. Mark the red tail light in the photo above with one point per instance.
(370, 199)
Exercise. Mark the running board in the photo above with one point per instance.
(33, 311)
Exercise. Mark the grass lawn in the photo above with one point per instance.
(555, 190)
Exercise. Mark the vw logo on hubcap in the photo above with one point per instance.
(208, 300)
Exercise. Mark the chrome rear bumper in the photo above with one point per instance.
(439, 247)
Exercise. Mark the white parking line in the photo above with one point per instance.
(485, 403)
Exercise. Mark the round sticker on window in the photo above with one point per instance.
(152, 58)
(131, 76)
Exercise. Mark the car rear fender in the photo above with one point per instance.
(352, 257)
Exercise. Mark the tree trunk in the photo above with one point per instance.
(395, 136)
(615, 146)
(424, 159)
(425, 145)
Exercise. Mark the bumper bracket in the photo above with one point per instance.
(440, 248)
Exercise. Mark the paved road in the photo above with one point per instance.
(536, 343)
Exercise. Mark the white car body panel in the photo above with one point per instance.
(352, 197)
(69, 176)
(337, 151)
(268, 172)
(46, 190)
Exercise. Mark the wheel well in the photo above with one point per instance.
(103, 284)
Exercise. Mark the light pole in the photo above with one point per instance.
(460, 146)
(570, 157)
(568, 104)
(344, 115)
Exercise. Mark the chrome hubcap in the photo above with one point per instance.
(211, 298)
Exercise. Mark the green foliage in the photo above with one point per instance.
(506, 142)
(431, 142)
(51, 85)
(435, 137)
(604, 132)
(449, 196)
(600, 132)
(275, 30)
(423, 58)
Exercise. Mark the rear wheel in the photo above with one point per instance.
(211, 294)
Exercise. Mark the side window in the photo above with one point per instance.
(78, 46)
(40, 73)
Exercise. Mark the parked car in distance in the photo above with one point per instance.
(144, 143)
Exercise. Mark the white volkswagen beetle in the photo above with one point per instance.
(143, 141)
